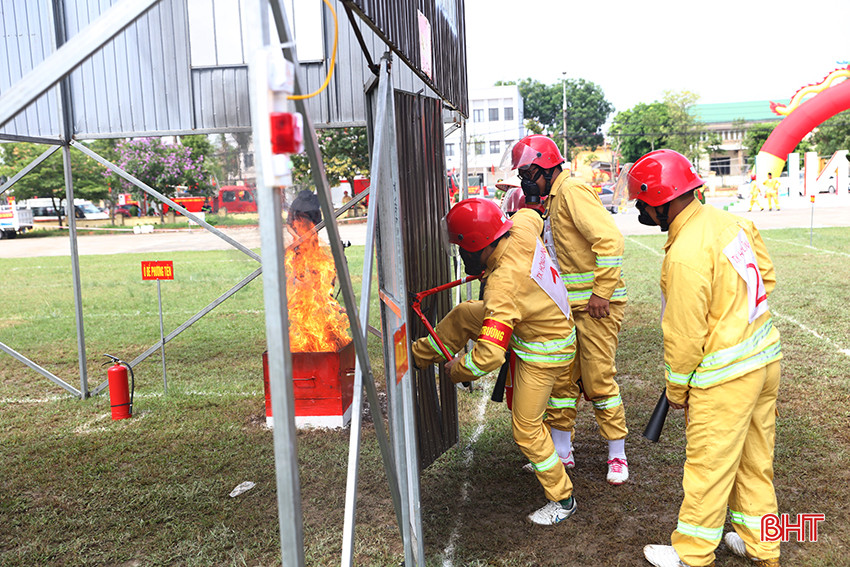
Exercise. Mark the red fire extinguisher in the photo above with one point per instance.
(120, 395)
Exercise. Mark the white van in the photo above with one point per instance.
(43, 211)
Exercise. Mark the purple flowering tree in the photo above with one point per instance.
(165, 167)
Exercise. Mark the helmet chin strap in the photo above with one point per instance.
(662, 215)
(547, 175)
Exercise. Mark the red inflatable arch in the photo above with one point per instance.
(797, 124)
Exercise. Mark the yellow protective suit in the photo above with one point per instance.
(721, 355)
(589, 248)
(517, 312)
(771, 192)
(755, 192)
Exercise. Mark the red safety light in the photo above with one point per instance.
(286, 133)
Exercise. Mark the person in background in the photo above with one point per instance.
(755, 193)
(346, 198)
(721, 355)
(588, 250)
(523, 308)
(771, 192)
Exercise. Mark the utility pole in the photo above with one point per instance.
(566, 139)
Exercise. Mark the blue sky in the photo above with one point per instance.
(722, 50)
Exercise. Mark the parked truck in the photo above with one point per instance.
(14, 220)
(228, 199)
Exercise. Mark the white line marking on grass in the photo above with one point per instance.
(844, 351)
(642, 245)
(806, 246)
(468, 454)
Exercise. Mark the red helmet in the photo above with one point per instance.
(475, 223)
(538, 150)
(661, 176)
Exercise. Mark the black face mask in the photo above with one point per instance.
(472, 263)
(643, 216)
(531, 190)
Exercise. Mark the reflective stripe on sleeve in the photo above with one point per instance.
(467, 362)
(609, 261)
(675, 377)
(436, 347)
(708, 534)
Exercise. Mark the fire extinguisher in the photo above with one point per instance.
(120, 395)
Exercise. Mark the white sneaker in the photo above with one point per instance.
(552, 513)
(568, 463)
(618, 471)
(662, 556)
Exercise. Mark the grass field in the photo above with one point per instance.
(79, 489)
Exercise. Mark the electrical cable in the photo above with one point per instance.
(333, 60)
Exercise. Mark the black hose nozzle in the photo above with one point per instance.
(656, 420)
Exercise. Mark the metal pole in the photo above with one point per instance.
(290, 524)
(162, 337)
(464, 187)
(566, 140)
(812, 223)
(357, 399)
(75, 270)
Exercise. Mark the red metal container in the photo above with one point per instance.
(323, 386)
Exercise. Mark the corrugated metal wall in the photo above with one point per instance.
(26, 39)
(343, 103)
(140, 82)
(397, 22)
(424, 201)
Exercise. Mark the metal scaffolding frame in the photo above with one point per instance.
(399, 450)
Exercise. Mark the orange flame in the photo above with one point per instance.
(317, 323)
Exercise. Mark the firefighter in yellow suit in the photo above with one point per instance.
(721, 355)
(771, 192)
(755, 192)
(588, 248)
(526, 307)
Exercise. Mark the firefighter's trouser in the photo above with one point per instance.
(596, 347)
(533, 386)
(731, 432)
(772, 201)
(540, 390)
(754, 200)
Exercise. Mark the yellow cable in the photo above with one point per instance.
(333, 60)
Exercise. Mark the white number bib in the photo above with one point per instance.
(547, 277)
(743, 259)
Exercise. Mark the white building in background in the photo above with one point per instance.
(495, 124)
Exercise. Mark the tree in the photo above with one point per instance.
(162, 166)
(203, 150)
(641, 129)
(543, 110)
(665, 124)
(48, 179)
(755, 137)
(833, 135)
(345, 152)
